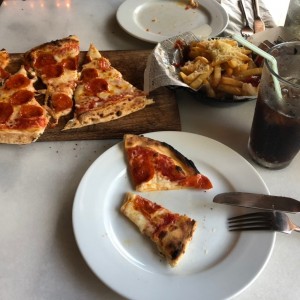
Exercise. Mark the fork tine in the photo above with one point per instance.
(249, 222)
(252, 221)
(252, 215)
(250, 226)
(241, 228)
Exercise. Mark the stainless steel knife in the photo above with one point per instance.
(259, 201)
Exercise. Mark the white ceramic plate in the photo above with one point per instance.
(155, 20)
(217, 265)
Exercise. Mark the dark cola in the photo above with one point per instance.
(275, 134)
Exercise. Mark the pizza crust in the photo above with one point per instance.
(9, 136)
(186, 164)
(52, 47)
(109, 112)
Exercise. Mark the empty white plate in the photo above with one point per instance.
(156, 20)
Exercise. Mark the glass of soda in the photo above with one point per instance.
(275, 134)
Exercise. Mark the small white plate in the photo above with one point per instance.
(156, 20)
(218, 264)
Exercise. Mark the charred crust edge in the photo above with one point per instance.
(181, 157)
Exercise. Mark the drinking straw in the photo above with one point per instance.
(267, 56)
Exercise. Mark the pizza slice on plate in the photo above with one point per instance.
(155, 165)
(170, 232)
(22, 118)
(56, 64)
(102, 93)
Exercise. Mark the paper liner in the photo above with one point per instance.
(161, 68)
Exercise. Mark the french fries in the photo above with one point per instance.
(220, 67)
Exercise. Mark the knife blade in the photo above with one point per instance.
(258, 24)
(259, 201)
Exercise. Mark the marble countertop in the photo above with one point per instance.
(39, 255)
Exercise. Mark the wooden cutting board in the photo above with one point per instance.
(163, 115)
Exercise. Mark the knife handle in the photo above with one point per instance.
(255, 7)
(242, 8)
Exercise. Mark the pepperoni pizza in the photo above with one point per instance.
(155, 165)
(56, 63)
(171, 232)
(102, 93)
(22, 118)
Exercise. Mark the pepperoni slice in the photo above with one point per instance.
(88, 74)
(141, 164)
(44, 59)
(31, 111)
(17, 81)
(6, 110)
(95, 86)
(70, 63)
(21, 97)
(61, 102)
(52, 71)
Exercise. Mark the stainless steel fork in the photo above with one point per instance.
(246, 30)
(275, 220)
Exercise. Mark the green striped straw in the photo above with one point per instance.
(270, 58)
